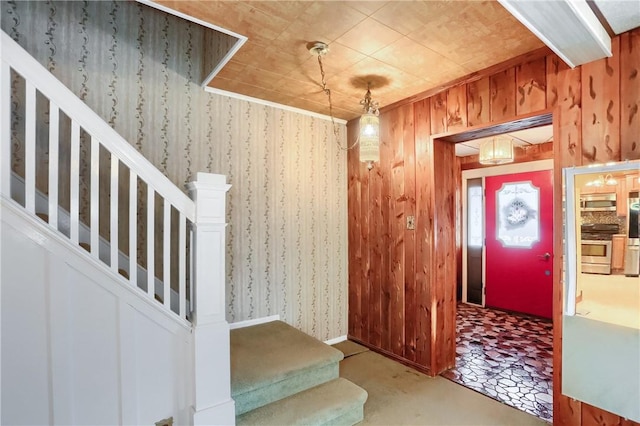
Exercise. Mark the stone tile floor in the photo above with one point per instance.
(505, 356)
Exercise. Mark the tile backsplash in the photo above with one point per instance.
(604, 217)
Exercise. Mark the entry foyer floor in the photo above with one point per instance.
(505, 356)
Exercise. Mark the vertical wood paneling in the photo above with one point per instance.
(366, 288)
(443, 284)
(458, 228)
(478, 95)
(403, 128)
(456, 108)
(564, 91)
(566, 411)
(419, 337)
(601, 108)
(384, 243)
(502, 87)
(593, 416)
(376, 269)
(531, 87)
(354, 202)
(438, 113)
(630, 95)
(409, 289)
(429, 301)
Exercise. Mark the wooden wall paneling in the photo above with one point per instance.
(531, 87)
(365, 248)
(564, 93)
(502, 87)
(443, 282)
(458, 228)
(456, 108)
(469, 78)
(601, 108)
(438, 113)
(566, 411)
(410, 307)
(377, 232)
(553, 63)
(565, 84)
(390, 227)
(478, 95)
(391, 138)
(404, 121)
(375, 255)
(593, 416)
(419, 337)
(354, 201)
(630, 95)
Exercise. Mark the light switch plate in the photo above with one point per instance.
(411, 222)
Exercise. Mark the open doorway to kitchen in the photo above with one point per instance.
(504, 329)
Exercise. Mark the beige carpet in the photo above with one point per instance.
(349, 348)
(399, 395)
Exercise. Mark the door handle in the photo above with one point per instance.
(544, 257)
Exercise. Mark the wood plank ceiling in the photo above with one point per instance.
(400, 47)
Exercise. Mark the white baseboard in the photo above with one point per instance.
(247, 323)
(336, 340)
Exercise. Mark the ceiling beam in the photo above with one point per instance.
(568, 27)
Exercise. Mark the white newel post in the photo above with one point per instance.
(212, 363)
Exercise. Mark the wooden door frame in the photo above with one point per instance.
(538, 119)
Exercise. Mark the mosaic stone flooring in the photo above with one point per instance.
(507, 357)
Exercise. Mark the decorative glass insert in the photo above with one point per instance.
(517, 207)
(475, 221)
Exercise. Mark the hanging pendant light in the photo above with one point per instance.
(369, 131)
(369, 137)
(496, 150)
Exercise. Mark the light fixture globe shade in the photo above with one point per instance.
(369, 138)
(497, 150)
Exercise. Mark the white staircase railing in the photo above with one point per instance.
(18, 64)
(194, 243)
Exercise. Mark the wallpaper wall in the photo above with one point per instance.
(140, 70)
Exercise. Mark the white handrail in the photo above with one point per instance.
(141, 172)
(66, 100)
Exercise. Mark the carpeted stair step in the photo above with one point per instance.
(272, 361)
(338, 402)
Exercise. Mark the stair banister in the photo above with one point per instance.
(213, 403)
(14, 59)
(85, 117)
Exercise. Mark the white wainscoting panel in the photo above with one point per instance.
(78, 345)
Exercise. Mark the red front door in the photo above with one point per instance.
(519, 242)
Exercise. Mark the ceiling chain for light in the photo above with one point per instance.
(322, 49)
